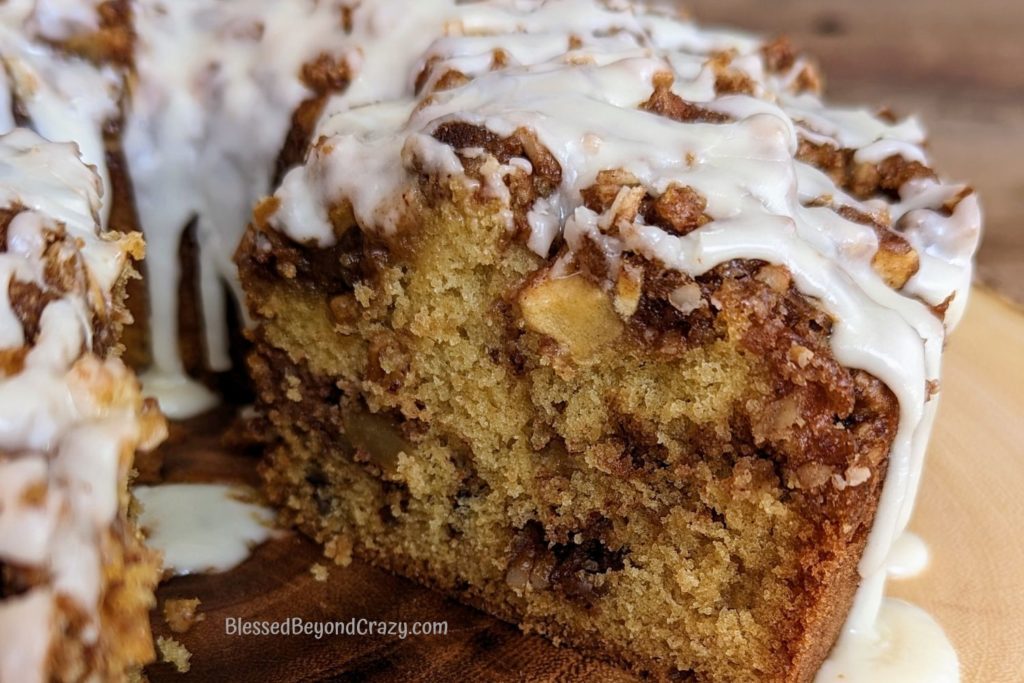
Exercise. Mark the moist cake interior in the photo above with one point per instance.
(639, 488)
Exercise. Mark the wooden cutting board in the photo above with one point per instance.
(971, 511)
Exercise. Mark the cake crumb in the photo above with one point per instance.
(294, 385)
(175, 653)
(319, 572)
(339, 549)
(182, 614)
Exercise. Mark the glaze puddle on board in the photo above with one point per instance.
(202, 528)
(906, 645)
(900, 643)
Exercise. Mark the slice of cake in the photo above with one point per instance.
(76, 582)
(607, 325)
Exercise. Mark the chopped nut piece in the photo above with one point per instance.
(855, 476)
(500, 59)
(345, 312)
(294, 391)
(264, 211)
(801, 355)
(600, 196)
(950, 204)
(808, 80)
(182, 614)
(453, 78)
(779, 55)
(575, 569)
(680, 210)
(377, 441)
(628, 289)
(12, 361)
(786, 414)
(729, 80)
(342, 218)
(574, 312)
(618, 177)
(687, 298)
(812, 475)
(547, 172)
(666, 103)
(862, 180)
(627, 205)
(896, 261)
(326, 74)
(776, 277)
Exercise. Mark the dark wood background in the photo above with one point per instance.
(959, 65)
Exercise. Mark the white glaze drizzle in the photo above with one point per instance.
(27, 628)
(67, 99)
(583, 107)
(202, 528)
(70, 421)
(909, 557)
(903, 643)
(906, 645)
(209, 112)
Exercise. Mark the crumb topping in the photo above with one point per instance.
(73, 413)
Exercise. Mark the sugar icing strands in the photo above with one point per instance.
(216, 89)
(66, 98)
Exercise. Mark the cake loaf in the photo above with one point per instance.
(76, 581)
(606, 324)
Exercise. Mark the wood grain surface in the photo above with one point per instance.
(971, 512)
(971, 505)
(960, 66)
